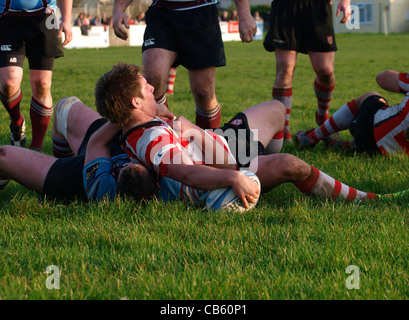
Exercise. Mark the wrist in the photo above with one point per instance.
(232, 177)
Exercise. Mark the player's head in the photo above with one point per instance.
(137, 182)
(115, 90)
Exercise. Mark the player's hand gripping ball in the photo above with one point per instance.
(226, 199)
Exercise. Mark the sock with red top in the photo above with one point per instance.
(285, 96)
(208, 119)
(171, 80)
(162, 100)
(12, 106)
(322, 185)
(324, 97)
(61, 148)
(40, 118)
(275, 144)
(340, 120)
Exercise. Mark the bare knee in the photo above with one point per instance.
(384, 76)
(294, 169)
(326, 75)
(42, 89)
(10, 87)
(362, 98)
(284, 76)
(205, 98)
(4, 152)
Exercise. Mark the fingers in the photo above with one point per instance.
(347, 13)
(164, 113)
(68, 38)
(121, 34)
(249, 198)
(338, 12)
(119, 31)
(249, 35)
(346, 17)
(247, 38)
(67, 34)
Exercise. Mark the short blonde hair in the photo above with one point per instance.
(114, 92)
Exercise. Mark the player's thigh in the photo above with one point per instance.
(156, 65)
(322, 62)
(286, 61)
(267, 119)
(27, 167)
(203, 82)
(79, 119)
(361, 99)
(10, 79)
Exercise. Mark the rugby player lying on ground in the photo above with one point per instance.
(108, 170)
(375, 126)
(61, 176)
(171, 149)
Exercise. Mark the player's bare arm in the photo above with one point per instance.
(215, 154)
(247, 24)
(208, 178)
(66, 9)
(345, 7)
(120, 20)
(98, 145)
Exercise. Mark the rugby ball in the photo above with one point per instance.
(226, 199)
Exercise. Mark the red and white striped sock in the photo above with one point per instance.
(40, 116)
(285, 96)
(339, 121)
(324, 97)
(322, 185)
(162, 100)
(275, 144)
(208, 119)
(171, 80)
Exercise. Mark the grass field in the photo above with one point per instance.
(289, 247)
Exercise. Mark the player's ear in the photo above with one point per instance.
(136, 102)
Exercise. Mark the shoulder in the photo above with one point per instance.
(98, 180)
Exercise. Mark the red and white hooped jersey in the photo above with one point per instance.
(391, 125)
(159, 145)
(404, 82)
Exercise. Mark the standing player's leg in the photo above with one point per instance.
(12, 58)
(156, 65)
(72, 118)
(41, 105)
(282, 90)
(10, 96)
(171, 81)
(324, 83)
(203, 86)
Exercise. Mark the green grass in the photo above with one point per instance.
(289, 247)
